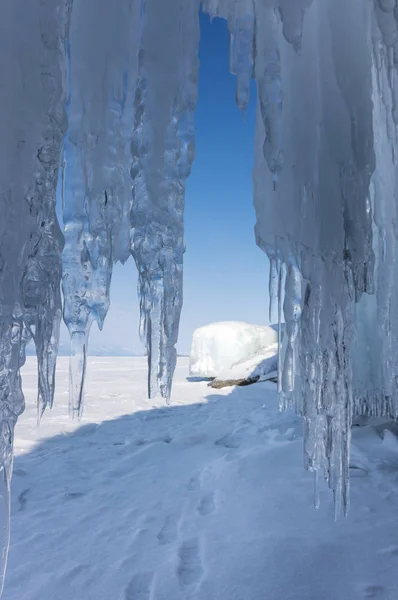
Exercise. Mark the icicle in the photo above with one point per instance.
(314, 162)
(273, 285)
(375, 363)
(96, 199)
(280, 359)
(241, 27)
(267, 72)
(292, 314)
(292, 13)
(40, 283)
(32, 54)
(309, 405)
(77, 371)
(162, 154)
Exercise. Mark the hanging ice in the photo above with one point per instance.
(162, 155)
(325, 181)
(325, 187)
(32, 124)
(102, 74)
(332, 141)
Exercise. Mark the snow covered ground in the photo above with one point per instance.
(205, 500)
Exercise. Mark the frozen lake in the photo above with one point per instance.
(203, 500)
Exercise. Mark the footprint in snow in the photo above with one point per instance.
(230, 440)
(139, 538)
(140, 587)
(168, 533)
(207, 504)
(22, 499)
(375, 592)
(19, 472)
(78, 571)
(73, 495)
(190, 567)
(193, 484)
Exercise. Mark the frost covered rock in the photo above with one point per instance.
(216, 347)
(260, 367)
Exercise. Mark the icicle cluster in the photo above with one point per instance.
(133, 88)
(326, 214)
(163, 152)
(325, 198)
(97, 192)
(32, 125)
(107, 91)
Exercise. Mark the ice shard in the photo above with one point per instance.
(162, 155)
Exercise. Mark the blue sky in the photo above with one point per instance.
(225, 274)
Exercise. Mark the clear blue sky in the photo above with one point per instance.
(225, 274)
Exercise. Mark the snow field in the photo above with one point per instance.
(204, 500)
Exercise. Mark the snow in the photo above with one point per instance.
(260, 367)
(205, 499)
(218, 346)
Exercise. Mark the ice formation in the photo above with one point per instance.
(32, 124)
(162, 155)
(217, 347)
(99, 97)
(102, 71)
(261, 366)
(335, 253)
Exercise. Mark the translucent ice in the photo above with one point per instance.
(102, 75)
(162, 155)
(33, 122)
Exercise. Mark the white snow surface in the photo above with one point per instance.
(218, 346)
(205, 500)
(259, 367)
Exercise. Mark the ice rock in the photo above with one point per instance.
(260, 367)
(216, 347)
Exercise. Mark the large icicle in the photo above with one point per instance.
(162, 154)
(32, 52)
(103, 57)
(241, 26)
(375, 361)
(318, 217)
